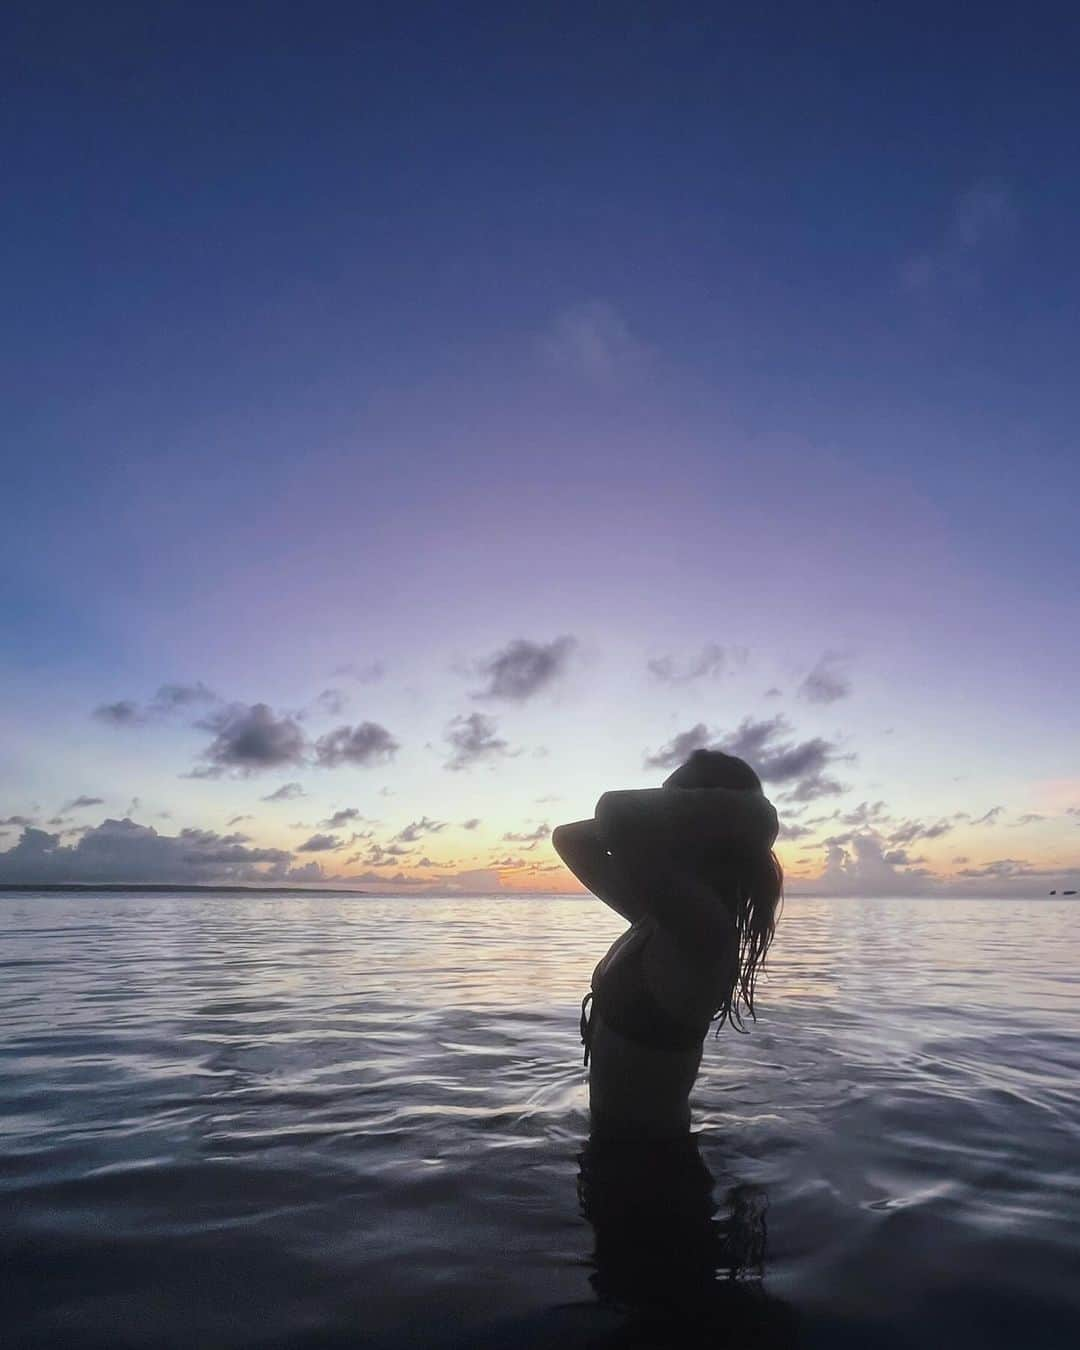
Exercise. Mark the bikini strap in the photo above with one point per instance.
(586, 1027)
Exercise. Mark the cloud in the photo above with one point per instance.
(773, 692)
(1002, 868)
(711, 662)
(826, 683)
(767, 746)
(319, 843)
(378, 855)
(473, 739)
(367, 743)
(991, 816)
(238, 820)
(17, 820)
(366, 674)
(309, 871)
(910, 830)
(530, 839)
(77, 803)
(286, 793)
(523, 668)
(342, 817)
(250, 739)
(680, 747)
(593, 341)
(981, 218)
(170, 697)
(418, 828)
(471, 823)
(1029, 818)
(123, 713)
(123, 851)
(332, 702)
(865, 813)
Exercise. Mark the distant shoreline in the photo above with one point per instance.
(168, 888)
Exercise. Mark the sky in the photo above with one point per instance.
(419, 419)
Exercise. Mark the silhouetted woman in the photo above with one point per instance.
(690, 865)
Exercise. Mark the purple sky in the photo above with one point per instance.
(417, 424)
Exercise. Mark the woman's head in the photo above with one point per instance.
(748, 879)
(712, 768)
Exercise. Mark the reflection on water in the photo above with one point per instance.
(672, 1258)
(238, 1121)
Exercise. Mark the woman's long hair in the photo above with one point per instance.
(749, 882)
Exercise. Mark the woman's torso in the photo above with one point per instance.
(646, 1051)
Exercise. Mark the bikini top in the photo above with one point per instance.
(622, 998)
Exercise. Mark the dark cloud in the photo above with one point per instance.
(319, 843)
(1029, 818)
(711, 662)
(865, 813)
(123, 713)
(77, 803)
(991, 816)
(910, 830)
(826, 683)
(341, 817)
(123, 851)
(17, 820)
(418, 828)
(812, 789)
(529, 839)
(286, 793)
(170, 697)
(471, 823)
(768, 747)
(524, 668)
(367, 743)
(680, 747)
(250, 739)
(773, 692)
(777, 759)
(379, 855)
(237, 820)
(472, 739)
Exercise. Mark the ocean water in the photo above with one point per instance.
(296, 1120)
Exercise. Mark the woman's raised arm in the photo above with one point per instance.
(579, 846)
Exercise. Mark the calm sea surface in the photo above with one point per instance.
(316, 1121)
